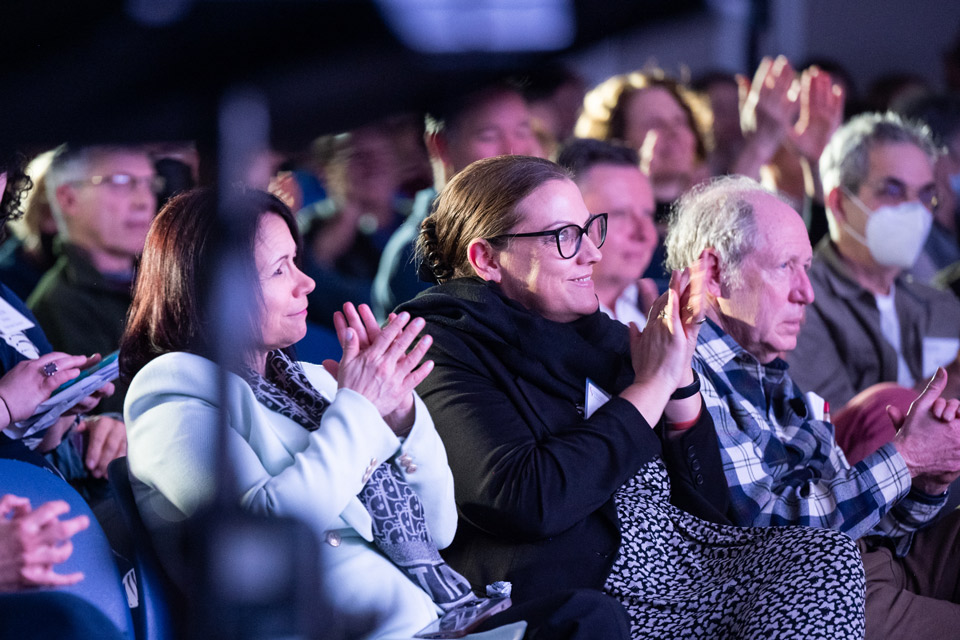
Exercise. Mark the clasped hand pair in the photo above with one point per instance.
(32, 541)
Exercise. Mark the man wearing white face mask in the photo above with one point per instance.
(871, 323)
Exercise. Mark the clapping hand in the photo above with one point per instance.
(769, 105)
(376, 362)
(665, 347)
(768, 110)
(928, 436)
(821, 112)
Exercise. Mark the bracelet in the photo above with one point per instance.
(691, 389)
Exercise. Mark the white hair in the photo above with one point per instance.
(717, 214)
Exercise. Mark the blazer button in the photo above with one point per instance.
(691, 452)
(404, 459)
(695, 464)
(699, 479)
(333, 538)
(411, 468)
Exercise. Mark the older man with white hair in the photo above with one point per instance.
(781, 461)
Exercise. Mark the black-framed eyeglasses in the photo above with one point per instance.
(570, 236)
(126, 181)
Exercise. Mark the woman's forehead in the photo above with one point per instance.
(552, 203)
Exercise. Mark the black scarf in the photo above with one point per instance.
(556, 356)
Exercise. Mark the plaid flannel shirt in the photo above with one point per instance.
(784, 467)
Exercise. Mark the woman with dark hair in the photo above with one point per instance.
(347, 447)
(546, 407)
(305, 442)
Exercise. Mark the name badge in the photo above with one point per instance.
(13, 324)
(938, 352)
(594, 398)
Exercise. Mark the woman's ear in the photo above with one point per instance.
(712, 281)
(484, 259)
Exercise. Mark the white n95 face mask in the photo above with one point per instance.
(895, 234)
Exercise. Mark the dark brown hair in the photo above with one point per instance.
(479, 202)
(174, 289)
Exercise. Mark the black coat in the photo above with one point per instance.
(534, 479)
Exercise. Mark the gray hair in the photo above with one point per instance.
(71, 164)
(717, 214)
(844, 162)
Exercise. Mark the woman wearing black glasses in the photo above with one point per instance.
(545, 407)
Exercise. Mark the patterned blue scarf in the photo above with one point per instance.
(399, 527)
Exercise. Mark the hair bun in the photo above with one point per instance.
(433, 268)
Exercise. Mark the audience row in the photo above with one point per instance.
(561, 335)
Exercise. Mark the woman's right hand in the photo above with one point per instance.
(376, 363)
(25, 386)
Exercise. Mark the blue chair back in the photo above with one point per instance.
(101, 586)
(152, 618)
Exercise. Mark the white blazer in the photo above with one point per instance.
(171, 413)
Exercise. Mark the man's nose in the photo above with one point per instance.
(803, 290)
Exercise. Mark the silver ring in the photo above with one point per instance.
(49, 369)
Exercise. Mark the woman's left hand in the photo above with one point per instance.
(665, 348)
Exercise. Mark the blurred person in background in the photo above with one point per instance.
(871, 322)
(78, 448)
(610, 181)
(28, 252)
(940, 112)
(346, 232)
(670, 126)
(103, 199)
(555, 96)
(493, 120)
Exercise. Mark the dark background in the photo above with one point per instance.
(89, 72)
